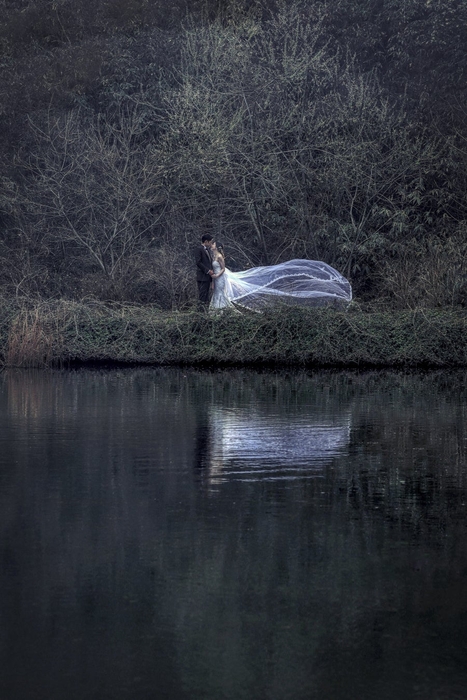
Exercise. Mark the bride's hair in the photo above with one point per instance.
(220, 249)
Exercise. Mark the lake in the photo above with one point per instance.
(232, 534)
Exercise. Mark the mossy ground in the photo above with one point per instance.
(62, 332)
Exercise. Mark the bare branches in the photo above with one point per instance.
(262, 134)
(96, 182)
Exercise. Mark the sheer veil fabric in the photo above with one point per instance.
(296, 282)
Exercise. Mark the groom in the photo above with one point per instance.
(204, 270)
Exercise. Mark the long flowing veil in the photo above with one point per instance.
(297, 282)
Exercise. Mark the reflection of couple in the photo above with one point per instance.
(210, 266)
(250, 442)
(297, 282)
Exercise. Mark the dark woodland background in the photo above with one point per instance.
(326, 130)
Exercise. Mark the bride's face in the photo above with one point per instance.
(213, 245)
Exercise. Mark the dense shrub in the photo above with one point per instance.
(57, 333)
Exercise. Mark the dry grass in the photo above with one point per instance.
(28, 345)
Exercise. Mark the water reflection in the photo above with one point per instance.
(247, 445)
(168, 533)
(242, 433)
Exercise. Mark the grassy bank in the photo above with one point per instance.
(61, 332)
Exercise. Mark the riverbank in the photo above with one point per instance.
(60, 333)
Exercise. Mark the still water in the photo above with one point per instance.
(179, 534)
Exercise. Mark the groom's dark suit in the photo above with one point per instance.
(203, 265)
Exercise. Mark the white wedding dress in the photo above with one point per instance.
(219, 299)
(296, 282)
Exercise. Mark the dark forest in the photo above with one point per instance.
(334, 131)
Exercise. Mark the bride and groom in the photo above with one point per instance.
(297, 282)
(210, 265)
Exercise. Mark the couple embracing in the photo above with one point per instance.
(210, 274)
(299, 282)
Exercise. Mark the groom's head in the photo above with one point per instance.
(206, 240)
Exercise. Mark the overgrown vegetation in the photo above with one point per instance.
(331, 131)
(59, 333)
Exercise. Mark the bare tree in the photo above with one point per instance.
(94, 183)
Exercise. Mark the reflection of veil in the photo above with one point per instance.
(298, 282)
(247, 444)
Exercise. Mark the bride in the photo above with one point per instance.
(219, 299)
(297, 282)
